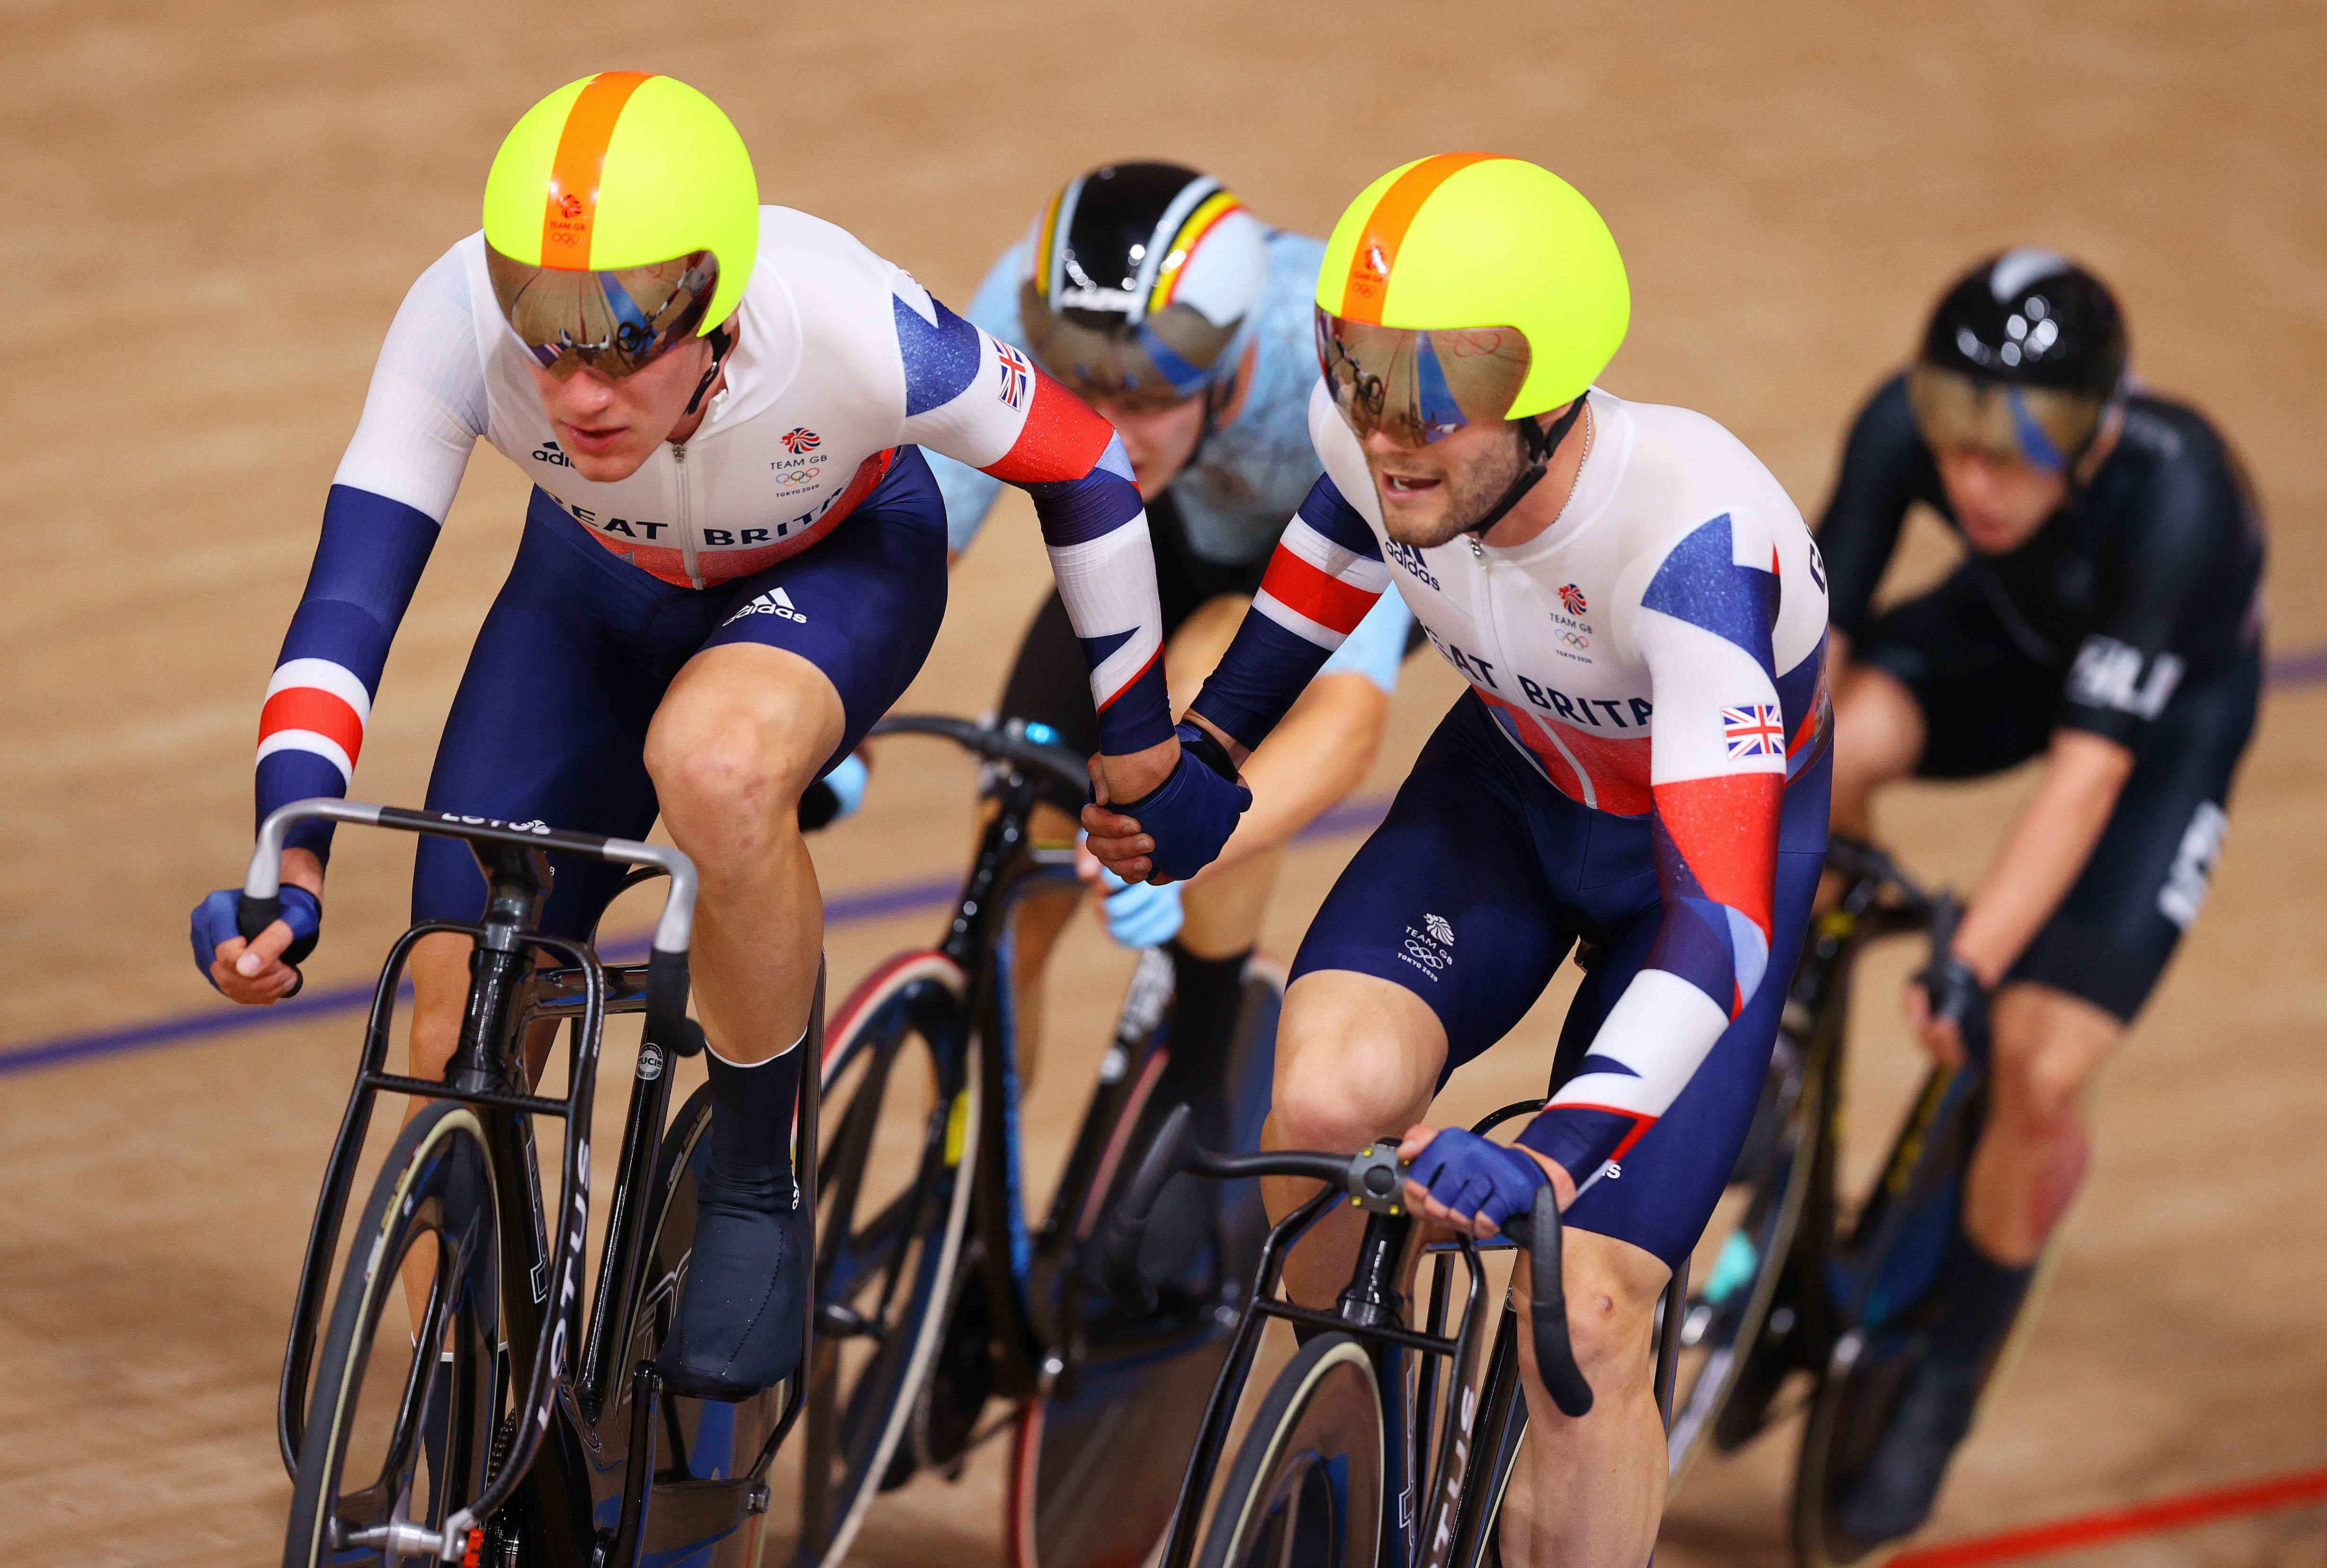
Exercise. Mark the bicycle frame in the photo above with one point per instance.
(1036, 1325)
(540, 1323)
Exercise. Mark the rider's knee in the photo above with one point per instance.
(1340, 1084)
(1878, 732)
(726, 774)
(2045, 1048)
(1610, 1309)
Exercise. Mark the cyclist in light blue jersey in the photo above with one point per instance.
(1187, 322)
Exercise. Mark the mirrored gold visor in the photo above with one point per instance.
(1420, 387)
(1166, 359)
(2043, 426)
(615, 321)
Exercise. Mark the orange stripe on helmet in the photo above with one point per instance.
(571, 213)
(1367, 287)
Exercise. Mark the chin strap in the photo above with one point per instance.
(1536, 444)
(722, 340)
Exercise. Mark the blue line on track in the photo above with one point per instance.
(2303, 667)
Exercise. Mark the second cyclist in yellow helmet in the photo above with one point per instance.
(1640, 760)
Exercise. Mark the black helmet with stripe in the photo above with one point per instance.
(2024, 357)
(1141, 281)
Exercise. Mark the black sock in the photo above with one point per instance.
(751, 1127)
(1207, 995)
(1978, 1300)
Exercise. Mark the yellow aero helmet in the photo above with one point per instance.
(622, 218)
(1467, 287)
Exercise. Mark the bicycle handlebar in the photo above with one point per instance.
(667, 980)
(1860, 861)
(1362, 1175)
(1003, 742)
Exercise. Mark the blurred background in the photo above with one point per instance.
(212, 212)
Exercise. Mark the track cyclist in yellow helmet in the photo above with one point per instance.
(1640, 763)
(733, 561)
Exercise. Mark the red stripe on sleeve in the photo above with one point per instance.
(1726, 828)
(1063, 438)
(312, 709)
(1299, 585)
(1137, 676)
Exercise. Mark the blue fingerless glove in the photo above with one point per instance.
(1141, 914)
(1191, 813)
(213, 922)
(836, 795)
(1473, 1176)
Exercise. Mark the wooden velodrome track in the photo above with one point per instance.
(212, 211)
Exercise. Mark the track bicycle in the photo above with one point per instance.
(498, 1430)
(1380, 1442)
(936, 1292)
(1793, 1278)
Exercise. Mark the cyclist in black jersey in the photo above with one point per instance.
(2107, 616)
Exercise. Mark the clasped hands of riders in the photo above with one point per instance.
(1457, 1179)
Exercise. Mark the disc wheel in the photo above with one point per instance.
(1733, 1326)
(400, 1426)
(1088, 1488)
(1306, 1487)
(898, 1142)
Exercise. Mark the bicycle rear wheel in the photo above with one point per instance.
(899, 1139)
(1891, 1264)
(1306, 1487)
(409, 1410)
(1731, 1356)
(703, 1449)
(1087, 1489)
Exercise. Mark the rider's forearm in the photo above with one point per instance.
(368, 558)
(1309, 765)
(304, 868)
(1326, 574)
(2046, 850)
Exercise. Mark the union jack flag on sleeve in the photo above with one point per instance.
(982, 402)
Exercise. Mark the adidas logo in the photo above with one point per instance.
(775, 602)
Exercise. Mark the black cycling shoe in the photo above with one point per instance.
(1892, 1493)
(741, 1313)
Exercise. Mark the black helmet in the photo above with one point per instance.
(2023, 356)
(1139, 278)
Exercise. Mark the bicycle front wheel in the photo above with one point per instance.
(1306, 1487)
(898, 1141)
(401, 1428)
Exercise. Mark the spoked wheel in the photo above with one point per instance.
(401, 1428)
(1086, 1490)
(1306, 1487)
(702, 1450)
(1735, 1323)
(898, 1141)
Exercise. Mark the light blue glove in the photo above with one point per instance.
(848, 783)
(836, 795)
(1139, 915)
